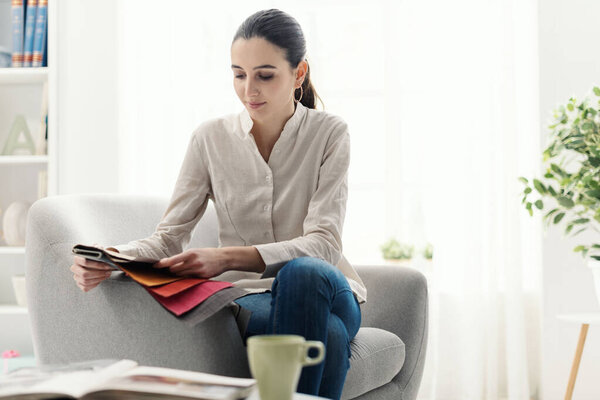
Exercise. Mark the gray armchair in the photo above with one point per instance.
(119, 319)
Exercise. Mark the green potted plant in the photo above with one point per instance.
(569, 191)
(427, 252)
(396, 251)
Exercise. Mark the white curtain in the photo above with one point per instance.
(441, 100)
(469, 126)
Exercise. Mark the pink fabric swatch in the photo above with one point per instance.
(186, 300)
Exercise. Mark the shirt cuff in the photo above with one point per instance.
(274, 255)
(127, 249)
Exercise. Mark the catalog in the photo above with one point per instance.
(123, 379)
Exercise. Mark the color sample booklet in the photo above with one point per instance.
(138, 268)
(123, 379)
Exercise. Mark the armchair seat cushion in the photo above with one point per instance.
(377, 356)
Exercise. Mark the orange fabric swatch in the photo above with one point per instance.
(149, 276)
(172, 288)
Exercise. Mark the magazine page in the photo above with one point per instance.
(62, 380)
(169, 382)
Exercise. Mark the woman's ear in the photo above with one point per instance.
(302, 70)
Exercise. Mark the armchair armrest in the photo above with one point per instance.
(397, 301)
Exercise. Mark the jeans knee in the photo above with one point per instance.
(308, 270)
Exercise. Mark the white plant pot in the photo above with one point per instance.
(18, 282)
(595, 267)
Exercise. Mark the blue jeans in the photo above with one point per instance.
(311, 298)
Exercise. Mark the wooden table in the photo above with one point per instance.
(585, 319)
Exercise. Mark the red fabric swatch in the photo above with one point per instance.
(172, 288)
(186, 300)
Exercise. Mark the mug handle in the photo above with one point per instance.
(314, 344)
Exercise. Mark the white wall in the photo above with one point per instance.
(569, 65)
(87, 96)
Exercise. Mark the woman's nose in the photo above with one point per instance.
(251, 89)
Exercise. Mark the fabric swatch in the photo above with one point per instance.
(172, 288)
(186, 300)
(212, 305)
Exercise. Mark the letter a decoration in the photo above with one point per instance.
(19, 140)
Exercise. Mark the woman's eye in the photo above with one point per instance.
(264, 78)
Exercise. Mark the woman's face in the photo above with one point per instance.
(263, 79)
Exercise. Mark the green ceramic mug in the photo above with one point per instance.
(276, 362)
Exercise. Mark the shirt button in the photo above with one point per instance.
(267, 207)
(268, 178)
(266, 234)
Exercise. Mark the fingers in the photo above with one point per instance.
(87, 284)
(171, 261)
(91, 264)
(179, 267)
(88, 273)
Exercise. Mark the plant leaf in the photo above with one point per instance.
(581, 221)
(539, 186)
(539, 204)
(595, 193)
(565, 202)
(524, 180)
(558, 217)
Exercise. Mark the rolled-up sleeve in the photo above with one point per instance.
(187, 205)
(322, 227)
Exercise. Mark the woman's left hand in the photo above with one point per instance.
(199, 263)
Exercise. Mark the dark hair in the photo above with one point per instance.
(282, 30)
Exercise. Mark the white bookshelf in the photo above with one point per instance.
(21, 93)
(23, 160)
(19, 76)
(12, 250)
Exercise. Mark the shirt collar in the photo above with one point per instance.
(246, 122)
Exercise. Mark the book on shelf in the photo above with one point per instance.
(30, 16)
(119, 379)
(29, 20)
(40, 33)
(17, 19)
(41, 145)
(42, 184)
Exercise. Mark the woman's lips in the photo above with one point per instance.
(255, 105)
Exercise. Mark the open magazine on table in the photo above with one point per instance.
(119, 379)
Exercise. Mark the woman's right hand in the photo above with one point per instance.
(88, 273)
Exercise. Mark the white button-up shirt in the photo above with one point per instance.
(291, 206)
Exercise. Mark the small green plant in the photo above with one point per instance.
(428, 251)
(571, 183)
(394, 250)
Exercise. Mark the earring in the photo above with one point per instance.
(301, 94)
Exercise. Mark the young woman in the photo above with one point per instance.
(277, 175)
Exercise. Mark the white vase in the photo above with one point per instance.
(14, 223)
(19, 288)
(595, 267)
